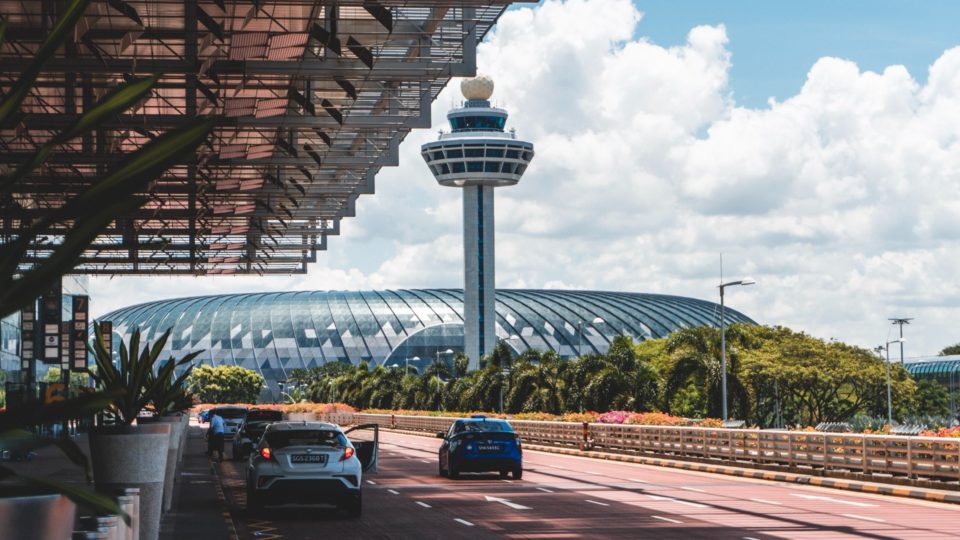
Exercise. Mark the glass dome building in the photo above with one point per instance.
(274, 333)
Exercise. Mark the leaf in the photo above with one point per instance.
(31, 414)
(81, 496)
(117, 101)
(72, 13)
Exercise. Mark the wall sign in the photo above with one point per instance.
(78, 341)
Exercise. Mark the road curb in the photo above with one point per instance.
(848, 485)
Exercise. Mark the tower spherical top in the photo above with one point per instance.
(477, 88)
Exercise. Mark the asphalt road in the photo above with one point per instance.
(570, 497)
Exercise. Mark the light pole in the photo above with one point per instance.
(889, 396)
(900, 322)
(440, 381)
(723, 340)
(596, 320)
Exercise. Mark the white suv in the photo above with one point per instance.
(311, 462)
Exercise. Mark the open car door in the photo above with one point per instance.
(366, 439)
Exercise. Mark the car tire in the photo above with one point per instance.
(518, 473)
(441, 472)
(353, 507)
(504, 473)
(454, 473)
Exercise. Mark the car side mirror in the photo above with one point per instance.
(441, 435)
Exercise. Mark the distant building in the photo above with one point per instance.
(274, 333)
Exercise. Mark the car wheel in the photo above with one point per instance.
(441, 471)
(353, 507)
(518, 473)
(454, 473)
(504, 473)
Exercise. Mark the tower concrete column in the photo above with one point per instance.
(479, 278)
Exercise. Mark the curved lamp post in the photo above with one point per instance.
(889, 393)
(723, 339)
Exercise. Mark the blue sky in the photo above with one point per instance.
(775, 42)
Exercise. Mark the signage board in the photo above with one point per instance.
(78, 338)
(51, 306)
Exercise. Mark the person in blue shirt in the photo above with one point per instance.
(215, 436)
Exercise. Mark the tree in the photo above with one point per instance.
(931, 399)
(225, 384)
(951, 350)
(695, 358)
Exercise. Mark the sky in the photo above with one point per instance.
(814, 145)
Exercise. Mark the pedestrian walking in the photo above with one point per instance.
(215, 436)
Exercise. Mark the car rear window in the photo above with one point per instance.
(264, 415)
(305, 437)
(230, 413)
(486, 426)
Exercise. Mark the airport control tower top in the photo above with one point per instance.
(477, 151)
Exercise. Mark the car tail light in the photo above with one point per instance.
(347, 453)
(266, 452)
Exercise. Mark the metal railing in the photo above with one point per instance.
(882, 457)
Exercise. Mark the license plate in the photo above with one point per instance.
(489, 448)
(308, 458)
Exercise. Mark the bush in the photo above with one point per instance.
(225, 384)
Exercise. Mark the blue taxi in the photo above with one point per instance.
(480, 444)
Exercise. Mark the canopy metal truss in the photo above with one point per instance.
(314, 97)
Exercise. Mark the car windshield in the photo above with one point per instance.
(230, 414)
(305, 437)
(485, 426)
(264, 415)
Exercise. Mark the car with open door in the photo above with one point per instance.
(251, 430)
(480, 444)
(311, 463)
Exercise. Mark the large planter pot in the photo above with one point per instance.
(133, 457)
(176, 430)
(185, 420)
(37, 517)
(301, 416)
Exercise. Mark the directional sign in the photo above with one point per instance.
(78, 340)
(506, 502)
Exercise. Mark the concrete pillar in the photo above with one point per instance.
(479, 289)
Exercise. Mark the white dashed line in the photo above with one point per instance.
(854, 516)
(508, 481)
(693, 489)
(395, 492)
(597, 503)
(764, 501)
(371, 482)
(749, 538)
(425, 461)
(831, 499)
(678, 501)
(592, 472)
(638, 481)
(423, 504)
(545, 490)
(463, 521)
(661, 518)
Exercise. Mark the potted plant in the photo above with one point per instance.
(169, 402)
(41, 508)
(125, 455)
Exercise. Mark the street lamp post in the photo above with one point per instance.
(889, 393)
(723, 340)
(596, 320)
(440, 381)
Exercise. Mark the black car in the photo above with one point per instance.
(251, 430)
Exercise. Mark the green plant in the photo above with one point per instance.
(15, 436)
(225, 384)
(90, 212)
(133, 373)
(172, 395)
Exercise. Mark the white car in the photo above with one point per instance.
(311, 462)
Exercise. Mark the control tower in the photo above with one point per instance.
(477, 156)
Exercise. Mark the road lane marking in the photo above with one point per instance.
(423, 504)
(749, 538)
(597, 502)
(506, 502)
(678, 501)
(638, 481)
(395, 492)
(854, 516)
(425, 461)
(465, 522)
(592, 472)
(831, 499)
(371, 482)
(693, 489)
(661, 518)
(764, 501)
(545, 490)
(507, 481)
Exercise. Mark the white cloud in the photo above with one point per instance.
(842, 200)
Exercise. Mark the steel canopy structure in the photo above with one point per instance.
(313, 98)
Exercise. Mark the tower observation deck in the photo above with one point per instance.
(477, 155)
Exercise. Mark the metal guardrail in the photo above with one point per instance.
(934, 459)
